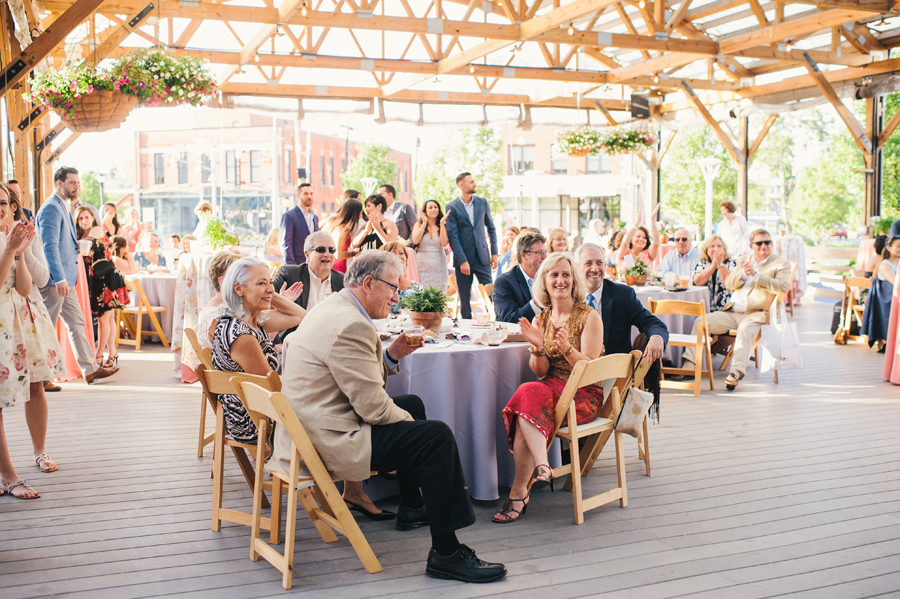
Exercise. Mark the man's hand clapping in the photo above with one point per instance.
(291, 293)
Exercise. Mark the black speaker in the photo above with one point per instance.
(301, 172)
(640, 107)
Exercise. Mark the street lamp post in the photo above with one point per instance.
(710, 167)
(101, 179)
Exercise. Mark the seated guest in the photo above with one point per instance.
(398, 248)
(122, 258)
(512, 290)
(507, 247)
(871, 265)
(566, 332)
(887, 269)
(273, 247)
(148, 251)
(215, 307)
(558, 240)
(640, 243)
(753, 280)
(339, 388)
(619, 307)
(714, 267)
(186, 242)
(683, 260)
(241, 341)
(324, 280)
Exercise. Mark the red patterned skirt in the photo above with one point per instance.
(536, 403)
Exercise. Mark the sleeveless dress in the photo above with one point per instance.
(107, 284)
(29, 350)
(536, 401)
(238, 423)
(341, 265)
(431, 262)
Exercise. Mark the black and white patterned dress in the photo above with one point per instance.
(238, 423)
(719, 295)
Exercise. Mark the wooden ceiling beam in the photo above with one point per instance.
(856, 130)
(713, 123)
(889, 129)
(781, 31)
(770, 120)
(807, 81)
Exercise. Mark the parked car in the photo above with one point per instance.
(839, 232)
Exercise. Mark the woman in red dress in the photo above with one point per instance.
(566, 332)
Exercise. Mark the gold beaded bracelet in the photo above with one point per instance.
(569, 351)
(536, 352)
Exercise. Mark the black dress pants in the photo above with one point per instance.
(424, 454)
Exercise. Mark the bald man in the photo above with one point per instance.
(683, 260)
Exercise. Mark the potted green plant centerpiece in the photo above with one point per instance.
(637, 274)
(426, 307)
(217, 234)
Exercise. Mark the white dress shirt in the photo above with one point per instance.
(319, 289)
(308, 215)
(683, 266)
(470, 209)
(537, 309)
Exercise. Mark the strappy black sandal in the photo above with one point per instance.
(505, 515)
(540, 483)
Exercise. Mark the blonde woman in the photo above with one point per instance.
(714, 267)
(558, 240)
(273, 247)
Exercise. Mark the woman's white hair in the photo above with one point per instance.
(239, 272)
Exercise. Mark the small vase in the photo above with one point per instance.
(636, 281)
(428, 320)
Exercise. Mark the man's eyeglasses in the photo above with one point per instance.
(394, 288)
(762, 243)
(322, 250)
(539, 253)
(681, 238)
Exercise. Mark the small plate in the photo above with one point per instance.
(480, 326)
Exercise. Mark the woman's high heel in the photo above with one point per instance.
(112, 361)
(505, 515)
(540, 483)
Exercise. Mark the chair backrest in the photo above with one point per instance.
(204, 354)
(271, 382)
(135, 285)
(856, 284)
(774, 299)
(794, 267)
(218, 382)
(677, 307)
(613, 366)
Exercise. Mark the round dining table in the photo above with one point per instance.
(676, 323)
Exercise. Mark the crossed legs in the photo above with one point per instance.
(529, 452)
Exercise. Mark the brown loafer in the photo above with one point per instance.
(100, 373)
(50, 387)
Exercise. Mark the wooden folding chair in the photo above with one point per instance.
(133, 317)
(789, 296)
(486, 292)
(204, 354)
(853, 306)
(643, 442)
(700, 342)
(315, 492)
(614, 366)
(215, 383)
(773, 299)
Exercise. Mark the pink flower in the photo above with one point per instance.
(4, 374)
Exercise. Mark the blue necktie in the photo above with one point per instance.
(530, 282)
(590, 301)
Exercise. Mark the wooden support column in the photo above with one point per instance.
(875, 161)
(743, 167)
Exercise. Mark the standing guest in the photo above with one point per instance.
(429, 238)
(594, 233)
(508, 249)
(41, 346)
(640, 244)
(122, 258)
(757, 277)
(133, 228)
(203, 211)
(887, 269)
(733, 229)
(215, 307)
(316, 276)
(27, 211)
(296, 225)
(272, 247)
(871, 266)
(345, 224)
(111, 220)
(558, 240)
(714, 267)
(378, 230)
(512, 295)
(342, 381)
(400, 213)
(682, 261)
(241, 340)
(148, 254)
(469, 230)
(560, 336)
(56, 228)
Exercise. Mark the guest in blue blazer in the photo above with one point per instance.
(296, 225)
(512, 290)
(619, 307)
(469, 227)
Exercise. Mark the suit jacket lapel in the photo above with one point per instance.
(606, 306)
(302, 219)
(522, 287)
(304, 278)
(70, 226)
(335, 282)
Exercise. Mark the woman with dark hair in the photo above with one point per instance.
(887, 269)
(122, 258)
(345, 223)
(111, 220)
(642, 244)
(429, 238)
(378, 230)
(871, 265)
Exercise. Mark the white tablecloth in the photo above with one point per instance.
(160, 290)
(676, 323)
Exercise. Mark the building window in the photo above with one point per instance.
(287, 165)
(521, 159)
(255, 166)
(230, 167)
(207, 168)
(559, 165)
(322, 170)
(182, 168)
(599, 164)
(331, 170)
(159, 169)
(343, 168)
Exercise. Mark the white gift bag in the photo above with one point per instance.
(779, 345)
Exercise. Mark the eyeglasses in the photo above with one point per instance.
(394, 288)
(681, 238)
(762, 243)
(539, 253)
(322, 250)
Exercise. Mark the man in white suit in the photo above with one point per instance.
(335, 373)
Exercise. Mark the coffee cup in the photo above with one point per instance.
(84, 246)
(415, 335)
(482, 318)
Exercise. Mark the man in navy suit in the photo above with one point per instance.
(512, 290)
(468, 219)
(619, 307)
(296, 225)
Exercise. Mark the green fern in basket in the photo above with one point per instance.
(426, 300)
(217, 234)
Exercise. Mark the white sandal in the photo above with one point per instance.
(44, 458)
(19, 483)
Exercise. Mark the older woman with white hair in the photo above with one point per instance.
(560, 336)
(241, 341)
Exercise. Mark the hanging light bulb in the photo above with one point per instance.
(642, 5)
(471, 68)
(570, 30)
(656, 79)
(303, 11)
(256, 58)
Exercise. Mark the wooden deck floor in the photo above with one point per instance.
(789, 489)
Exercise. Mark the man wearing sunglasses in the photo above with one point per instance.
(316, 274)
(759, 276)
(683, 260)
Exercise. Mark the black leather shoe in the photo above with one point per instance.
(463, 565)
(409, 519)
(382, 515)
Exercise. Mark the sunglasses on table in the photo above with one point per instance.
(323, 249)
(762, 243)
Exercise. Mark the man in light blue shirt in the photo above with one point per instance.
(683, 260)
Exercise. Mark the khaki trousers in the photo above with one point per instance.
(719, 323)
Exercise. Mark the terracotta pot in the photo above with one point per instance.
(580, 153)
(638, 281)
(428, 320)
(100, 110)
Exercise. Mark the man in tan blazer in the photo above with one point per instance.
(335, 373)
(752, 284)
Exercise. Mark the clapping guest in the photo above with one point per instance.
(122, 258)
(148, 252)
(640, 244)
(378, 230)
(346, 221)
(111, 220)
(560, 336)
(429, 238)
(241, 341)
(714, 267)
(507, 248)
(558, 240)
(133, 228)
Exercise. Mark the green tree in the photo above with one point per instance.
(777, 153)
(371, 160)
(434, 181)
(90, 189)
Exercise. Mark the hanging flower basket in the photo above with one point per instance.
(578, 142)
(94, 99)
(626, 141)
